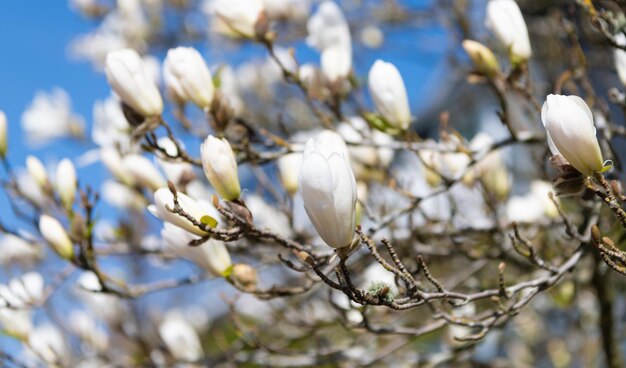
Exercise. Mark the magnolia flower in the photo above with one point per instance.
(619, 56)
(490, 169)
(288, 166)
(220, 167)
(110, 127)
(66, 182)
(336, 62)
(239, 16)
(389, 94)
(111, 159)
(105, 306)
(22, 291)
(534, 205)
(485, 62)
(86, 328)
(571, 132)
(16, 322)
(328, 27)
(504, 18)
(14, 249)
(48, 343)
(164, 202)
(372, 37)
(50, 116)
(142, 171)
(328, 189)
(211, 255)
(131, 81)
(287, 9)
(272, 219)
(37, 171)
(121, 196)
(54, 233)
(187, 76)
(3, 135)
(181, 339)
(357, 132)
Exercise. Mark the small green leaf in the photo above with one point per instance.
(209, 221)
(227, 272)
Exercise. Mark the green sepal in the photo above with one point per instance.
(209, 221)
(227, 272)
(608, 165)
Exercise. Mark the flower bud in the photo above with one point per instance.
(16, 322)
(48, 343)
(181, 339)
(336, 63)
(66, 182)
(112, 160)
(37, 171)
(328, 27)
(164, 202)
(504, 18)
(187, 76)
(142, 171)
(239, 16)
(220, 167)
(244, 275)
(288, 166)
(3, 135)
(211, 255)
(485, 62)
(54, 233)
(619, 56)
(389, 94)
(571, 132)
(129, 78)
(328, 190)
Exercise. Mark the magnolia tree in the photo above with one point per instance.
(285, 204)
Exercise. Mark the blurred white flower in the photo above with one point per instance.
(357, 132)
(328, 27)
(328, 188)
(336, 63)
(110, 127)
(86, 328)
(143, 171)
(181, 339)
(619, 56)
(37, 171)
(490, 169)
(105, 306)
(16, 322)
(288, 166)
(229, 88)
(66, 182)
(14, 249)
(239, 16)
(23, 291)
(54, 233)
(372, 37)
(50, 116)
(268, 217)
(49, 344)
(122, 197)
(211, 256)
(504, 18)
(533, 206)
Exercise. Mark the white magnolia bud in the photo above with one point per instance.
(620, 57)
(485, 62)
(16, 322)
(389, 94)
(211, 256)
(491, 169)
(571, 132)
(220, 167)
(187, 76)
(164, 202)
(3, 135)
(112, 160)
(66, 182)
(181, 339)
(37, 171)
(54, 233)
(239, 16)
(143, 171)
(49, 344)
(28, 288)
(336, 62)
(328, 189)
(288, 166)
(129, 78)
(504, 18)
(328, 27)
